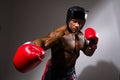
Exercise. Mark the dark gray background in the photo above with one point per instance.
(25, 20)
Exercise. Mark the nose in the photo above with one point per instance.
(77, 24)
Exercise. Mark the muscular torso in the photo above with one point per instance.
(65, 51)
(65, 48)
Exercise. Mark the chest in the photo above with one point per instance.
(72, 42)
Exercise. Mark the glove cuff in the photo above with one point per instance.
(29, 42)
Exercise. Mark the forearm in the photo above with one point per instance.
(40, 42)
(89, 50)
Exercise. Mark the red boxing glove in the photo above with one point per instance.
(91, 36)
(27, 57)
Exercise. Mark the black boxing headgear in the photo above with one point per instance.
(75, 12)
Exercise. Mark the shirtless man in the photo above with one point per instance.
(65, 43)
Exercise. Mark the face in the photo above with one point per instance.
(76, 24)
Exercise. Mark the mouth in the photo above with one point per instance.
(75, 29)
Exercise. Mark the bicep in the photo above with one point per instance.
(53, 37)
(47, 41)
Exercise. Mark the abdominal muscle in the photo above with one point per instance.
(70, 58)
(64, 59)
(66, 51)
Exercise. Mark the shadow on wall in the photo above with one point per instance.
(102, 71)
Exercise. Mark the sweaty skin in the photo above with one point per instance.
(65, 46)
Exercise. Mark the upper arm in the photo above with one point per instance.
(49, 40)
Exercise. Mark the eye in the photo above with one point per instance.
(81, 22)
(78, 21)
(75, 21)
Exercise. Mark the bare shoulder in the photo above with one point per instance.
(61, 28)
(58, 32)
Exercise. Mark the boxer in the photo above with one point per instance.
(65, 43)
